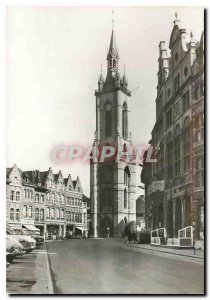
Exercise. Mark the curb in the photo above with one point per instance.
(177, 254)
(49, 277)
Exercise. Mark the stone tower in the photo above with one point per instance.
(113, 182)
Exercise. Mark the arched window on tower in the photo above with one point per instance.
(125, 198)
(114, 63)
(108, 119)
(126, 183)
(125, 121)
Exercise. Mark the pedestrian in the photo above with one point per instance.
(129, 237)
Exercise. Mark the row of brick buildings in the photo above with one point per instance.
(174, 185)
(47, 201)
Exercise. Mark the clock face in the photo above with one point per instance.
(108, 107)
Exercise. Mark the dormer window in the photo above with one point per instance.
(78, 189)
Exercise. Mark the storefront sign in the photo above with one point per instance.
(27, 221)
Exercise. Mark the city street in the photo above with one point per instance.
(108, 266)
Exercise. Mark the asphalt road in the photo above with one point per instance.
(107, 266)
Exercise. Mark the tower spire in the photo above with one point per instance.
(112, 19)
(112, 56)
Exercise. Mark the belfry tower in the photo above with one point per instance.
(113, 182)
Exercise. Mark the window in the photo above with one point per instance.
(16, 180)
(48, 212)
(177, 151)
(186, 145)
(169, 118)
(36, 198)
(78, 190)
(185, 71)
(186, 101)
(169, 93)
(42, 198)
(198, 128)
(199, 175)
(177, 83)
(108, 120)
(30, 212)
(69, 187)
(62, 198)
(125, 121)
(25, 193)
(125, 198)
(196, 92)
(28, 194)
(53, 198)
(24, 211)
(42, 214)
(62, 214)
(12, 217)
(36, 214)
(17, 196)
(17, 214)
(126, 176)
(58, 213)
(52, 213)
(169, 152)
(31, 194)
(12, 195)
(85, 217)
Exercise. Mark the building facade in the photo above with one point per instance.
(48, 201)
(112, 182)
(174, 185)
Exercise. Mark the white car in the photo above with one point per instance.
(13, 248)
(27, 241)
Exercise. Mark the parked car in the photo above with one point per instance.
(38, 238)
(27, 241)
(13, 248)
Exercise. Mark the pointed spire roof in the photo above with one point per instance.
(113, 45)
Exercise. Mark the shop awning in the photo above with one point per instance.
(31, 227)
(82, 229)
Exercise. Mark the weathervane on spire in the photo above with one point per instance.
(112, 18)
(124, 69)
(191, 34)
(176, 15)
(101, 68)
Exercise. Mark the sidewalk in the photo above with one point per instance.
(42, 272)
(199, 254)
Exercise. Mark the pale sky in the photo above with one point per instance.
(54, 56)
